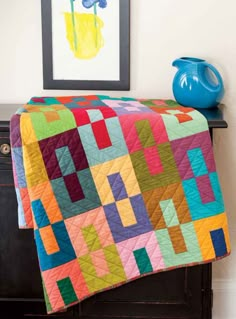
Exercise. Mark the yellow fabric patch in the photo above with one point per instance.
(121, 165)
(35, 169)
(28, 135)
(126, 212)
(203, 227)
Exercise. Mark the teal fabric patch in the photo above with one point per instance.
(142, 260)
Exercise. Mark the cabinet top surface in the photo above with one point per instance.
(7, 110)
(214, 116)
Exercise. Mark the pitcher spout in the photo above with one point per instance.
(178, 63)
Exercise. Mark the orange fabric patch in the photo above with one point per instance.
(172, 191)
(52, 116)
(183, 118)
(45, 193)
(26, 203)
(203, 227)
(49, 240)
(177, 239)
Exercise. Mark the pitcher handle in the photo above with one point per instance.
(217, 75)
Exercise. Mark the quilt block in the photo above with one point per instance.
(115, 189)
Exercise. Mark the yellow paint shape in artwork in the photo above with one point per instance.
(84, 34)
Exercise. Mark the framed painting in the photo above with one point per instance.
(86, 44)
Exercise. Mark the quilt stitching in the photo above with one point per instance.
(115, 189)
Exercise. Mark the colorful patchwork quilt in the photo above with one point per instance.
(115, 189)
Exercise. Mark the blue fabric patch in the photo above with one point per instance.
(197, 162)
(64, 255)
(117, 186)
(40, 214)
(218, 240)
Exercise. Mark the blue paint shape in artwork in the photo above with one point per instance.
(89, 3)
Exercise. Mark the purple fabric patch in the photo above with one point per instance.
(180, 148)
(15, 131)
(117, 186)
(73, 187)
(70, 139)
(119, 232)
(205, 189)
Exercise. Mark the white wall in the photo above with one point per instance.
(161, 30)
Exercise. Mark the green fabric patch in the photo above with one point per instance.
(67, 291)
(193, 253)
(169, 175)
(46, 298)
(91, 238)
(145, 135)
(116, 271)
(171, 103)
(106, 97)
(148, 103)
(43, 129)
(47, 101)
(169, 212)
(176, 130)
(142, 260)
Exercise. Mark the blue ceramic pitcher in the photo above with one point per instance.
(197, 83)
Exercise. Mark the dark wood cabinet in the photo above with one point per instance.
(182, 293)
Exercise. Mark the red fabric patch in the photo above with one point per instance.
(183, 118)
(64, 99)
(81, 116)
(101, 134)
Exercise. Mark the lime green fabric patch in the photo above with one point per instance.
(91, 237)
(44, 129)
(115, 267)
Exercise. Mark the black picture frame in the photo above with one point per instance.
(124, 81)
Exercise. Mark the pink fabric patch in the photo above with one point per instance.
(130, 131)
(147, 241)
(180, 149)
(99, 262)
(51, 276)
(153, 160)
(159, 102)
(95, 217)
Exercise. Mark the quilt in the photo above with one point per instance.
(115, 189)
